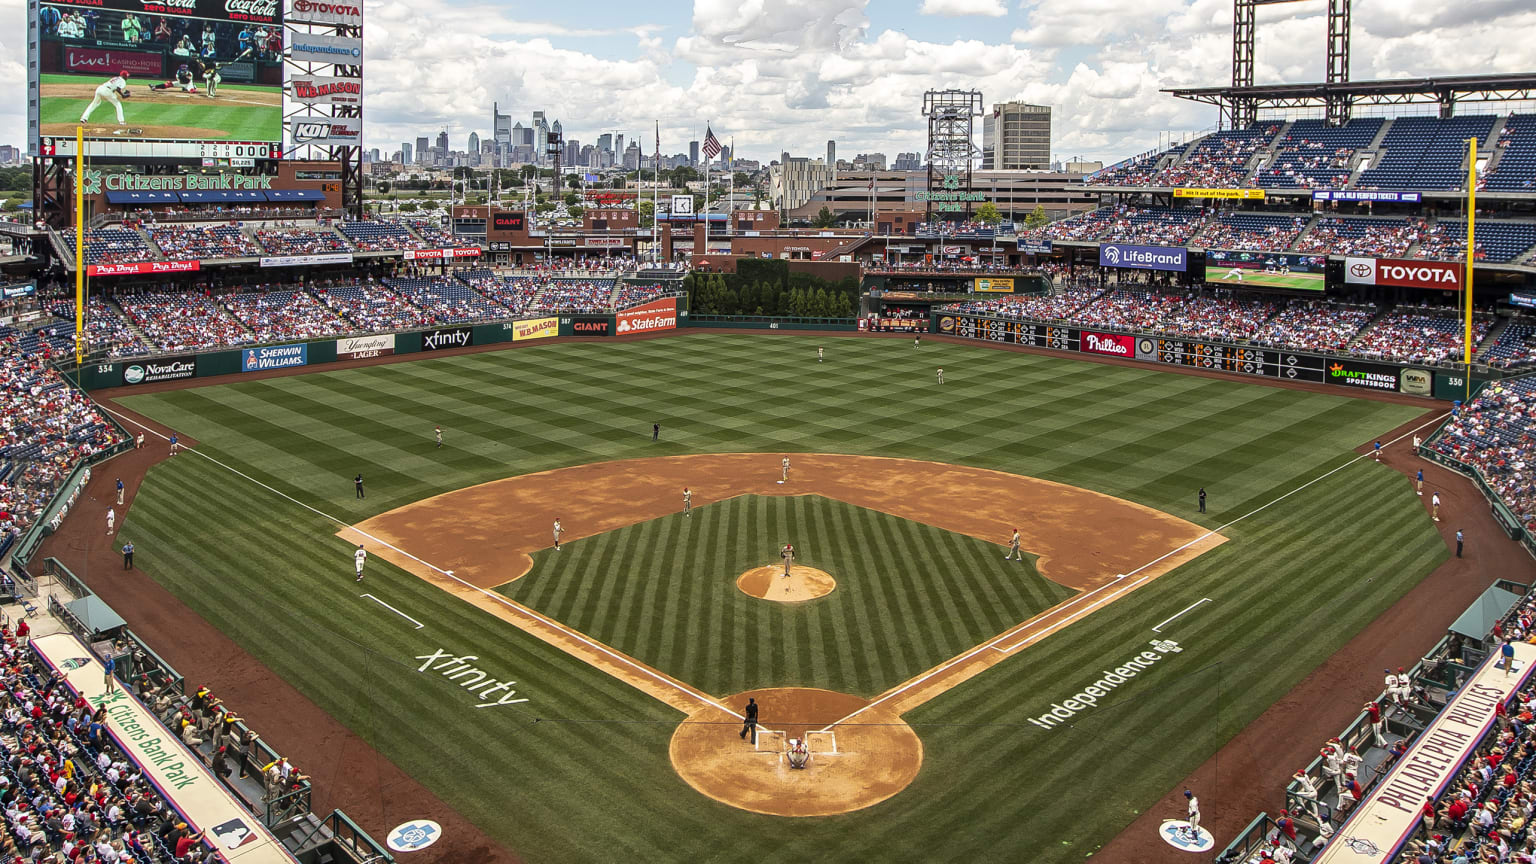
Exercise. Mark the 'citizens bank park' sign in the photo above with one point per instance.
(1444, 275)
(656, 315)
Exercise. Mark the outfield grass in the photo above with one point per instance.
(224, 113)
(592, 781)
(908, 596)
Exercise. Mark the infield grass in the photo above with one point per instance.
(590, 781)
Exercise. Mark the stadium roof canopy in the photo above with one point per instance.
(1445, 91)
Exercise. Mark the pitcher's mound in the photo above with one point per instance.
(857, 764)
(770, 583)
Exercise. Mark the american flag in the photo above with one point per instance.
(711, 144)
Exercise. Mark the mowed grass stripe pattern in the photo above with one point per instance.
(908, 596)
(591, 781)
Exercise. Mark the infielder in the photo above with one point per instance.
(1013, 547)
(687, 502)
(109, 91)
(784, 470)
(558, 531)
(360, 556)
(1193, 831)
(788, 554)
(112, 519)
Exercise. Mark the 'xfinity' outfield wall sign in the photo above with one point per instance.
(439, 340)
(1123, 255)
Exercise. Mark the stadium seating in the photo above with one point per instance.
(1055, 306)
(1425, 153)
(194, 242)
(1250, 231)
(1515, 347)
(109, 246)
(300, 241)
(634, 295)
(1314, 325)
(1416, 335)
(105, 328)
(514, 292)
(574, 295)
(1515, 170)
(1384, 238)
(283, 314)
(432, 233)
(370, 306)
(379, 236)
(1493, 434)
(1138, 171)
(1313, 155)
(187, 321)
(1498, 242)
(445, 301)
(1156, 226)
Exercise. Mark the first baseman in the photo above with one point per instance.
(109, 91)
(558, 531)
(1013, 547)
(360, 556)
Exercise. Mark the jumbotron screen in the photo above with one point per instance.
(1266, 270)
(136, 81)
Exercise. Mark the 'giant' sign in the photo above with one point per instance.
(1444, 275)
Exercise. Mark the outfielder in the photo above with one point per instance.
(359, 557)
(1013, 547)
(788, 554)
(439, 431)
(687, 502)
(109, 91)
(941, 374)
(819, 354)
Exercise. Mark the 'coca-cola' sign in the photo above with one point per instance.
(1113, 344)
(245, 11)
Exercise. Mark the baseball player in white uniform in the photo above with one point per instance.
(1351, 761)
(687, 502)
(1013, 547)
(360, 556)
(1404, 687)
(1306, 790)
(941, 374)
(558, 531)
(1391, 685)
(109, 91)
(111, 519)
(1193, 831)
(819, 354)
(784, 470)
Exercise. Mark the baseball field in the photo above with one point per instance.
(583, 704)
(240, 112)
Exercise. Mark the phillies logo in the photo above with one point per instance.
(1105, 344)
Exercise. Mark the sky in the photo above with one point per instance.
(783, 75)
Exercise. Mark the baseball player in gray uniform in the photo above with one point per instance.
(788, 554)
(687, 502)
(1013, 547)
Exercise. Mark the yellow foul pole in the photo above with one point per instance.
(80, 255)
(1466, 281)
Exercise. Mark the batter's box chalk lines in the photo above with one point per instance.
(1119, 583)
(514, 608)
(418, 624)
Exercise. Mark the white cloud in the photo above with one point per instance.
(956, 8)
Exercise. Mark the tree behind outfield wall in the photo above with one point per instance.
(987, 214)
(1037, 218)
(764, 286)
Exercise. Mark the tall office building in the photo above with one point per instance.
(405, 153)
(832, 153)
(474, 142)
(442, 143)
(618, 143)
(693, 153)
(501, 127)
(421, 150)
(1017, 137)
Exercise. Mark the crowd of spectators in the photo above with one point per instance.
(628, 295)
(574, 295)
(1314, 325)
(432, 233)
(110, 246)
(300, 241)
(379, 236)
(1417, 335)
(371, 306)
(1220, 160)
(1493, 434)
(105, 328)
(1379, 238)
(184, 321)
(447, 301)
(196, 242)
(1053, 306)
(1155, 226)
(1249, 232)
(274, 314)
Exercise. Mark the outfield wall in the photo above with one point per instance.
(1260, 362)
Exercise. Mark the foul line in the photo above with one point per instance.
(418, 624)
(1158, 629)
(515, 607)
(1119, 584)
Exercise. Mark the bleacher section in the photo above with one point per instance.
(105, 328)
(194, 242)
(445, 301)
(1493, 434)
(1515, 347)
(514, 292)
(1497, 242)
(371, 307)
(300, 241)
(184, 322)
(1384, 238)
(1313, 155)
(379, 236)
(432, 233)
(1156, 226)
(1424, 153)
(109, 246)
(1219, 160)
(1250, 231)
(1418, 336)
(1314, 325)
(575, 295)
(280, 315)
(1515, 170)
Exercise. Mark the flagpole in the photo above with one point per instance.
(730, 206)
(656, 206)
(706, 193)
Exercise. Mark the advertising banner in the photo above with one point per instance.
(1225, 194)
(243, 70)
(1266, 270)
(1379, 826)
(1345, 195)
(998, 286)
(99, 60)
(1358, 373)
(607, 242)
(590, 326)
(1035, 247)
(247, 11)
(323, 12)
(151, 371)
(508, 222)
(322, 48)
(453, 337)
(1442, 275)
(327, 131)
(319, 90)
(273, 357)
(1113, 344)
(128, 269)
(362, 347)
(1125, 255)
(535, 328)
(1416, 382)
(303, 260)
(656, 315)
(431, 254)
(1525, 301)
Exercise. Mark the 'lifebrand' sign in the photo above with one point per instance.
(1124, 255)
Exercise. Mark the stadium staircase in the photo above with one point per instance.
(1500, 324)
(1382, 311)
(1266, 156)
(60, 248)
(1305, 230)
(127, 321)
(249, 233)
(154, 248)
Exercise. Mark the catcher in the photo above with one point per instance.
(182, 81)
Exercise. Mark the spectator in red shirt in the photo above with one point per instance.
(186, 843)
